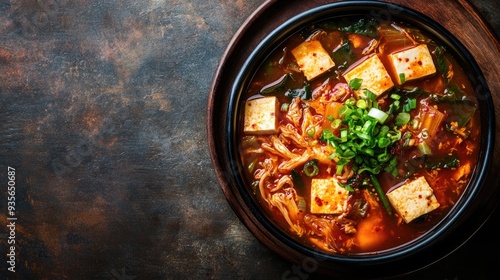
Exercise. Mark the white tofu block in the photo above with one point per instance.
(312, 59)
(261, 116)
(413, 199)
(373, 75)
(412, 63)
(328, 197)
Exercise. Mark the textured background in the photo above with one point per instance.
(102, 114)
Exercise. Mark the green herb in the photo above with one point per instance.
(355, 83)
(381, 194)
(424, 148)
(410, 104)
(378, 114)
(402, 78)
(311, 168)
(370, 95)
(402, 119)
(311, 131)
(363, 141)
(336, 123)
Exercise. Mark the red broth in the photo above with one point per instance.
(432, 124)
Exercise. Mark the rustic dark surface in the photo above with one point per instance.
(103, 112)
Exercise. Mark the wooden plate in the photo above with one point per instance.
(458, 17)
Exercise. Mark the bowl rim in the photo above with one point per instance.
(294, 24)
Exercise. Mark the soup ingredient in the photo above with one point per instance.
(261, 116)
(328, 196)
(312, 59)
(373, 75)
(355, 142)
(412, 64)
(413, 199)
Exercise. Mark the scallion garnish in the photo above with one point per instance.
(378, 114)
(365, 136)
(402, 119)
(311, 168)
(402, 78)
(355, 83)
(284, 107)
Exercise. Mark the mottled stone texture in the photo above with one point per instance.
(102, 115)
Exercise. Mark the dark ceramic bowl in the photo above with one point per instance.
(466, 217)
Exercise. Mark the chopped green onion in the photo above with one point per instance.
(330, 118)
(301, 203)
(383, 142)
(368, 126)
(368, 151)
(402, 119)
(336, 123)
(361, 104)
(284, 107)
(370, 95)
(311, 131)
(345, 111)
(355, 83)
(343, 135)
(311, 168)
(383, 157)
(410, 104)
(251, 166)
(414, 124)
(378, 114)
(402, 78)
(381, 194)
(424, 148)
(395, 96)
(383, 131)
(339, 169)
(394, 135)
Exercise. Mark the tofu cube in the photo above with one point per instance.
(261, 116)
(373, 75)
(312, 59)
(412, 64)
(328, 197)
(413, 199)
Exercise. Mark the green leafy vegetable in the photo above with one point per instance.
(456, 97)
(364, 26)
(303, 93)
(448, 161)
(277, 85)
(343, 56)
(297, 180)
(442, 63)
